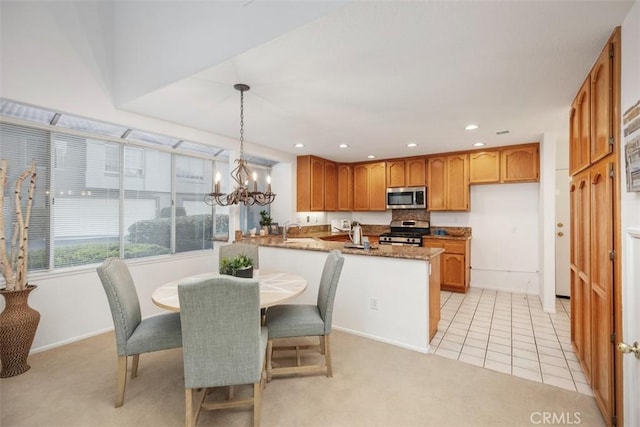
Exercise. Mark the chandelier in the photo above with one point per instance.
(241, 174)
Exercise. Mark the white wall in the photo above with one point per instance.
(73, 305)
(504, 243)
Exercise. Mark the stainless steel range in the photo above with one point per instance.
(405, 233)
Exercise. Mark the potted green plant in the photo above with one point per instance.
(265, 221)
(18, 321)
(239, 266)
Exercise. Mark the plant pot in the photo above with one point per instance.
(246, 272)
(18, 324)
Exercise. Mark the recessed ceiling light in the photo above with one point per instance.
(298, 145)
(412, 145)
(343, 146)
(371, 156)
(479, 144)
(471, 127)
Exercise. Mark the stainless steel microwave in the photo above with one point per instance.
(407, 198)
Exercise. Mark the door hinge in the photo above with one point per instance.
(614, 420)
(611, 51)
(612, 255)
(611, 141)
(612, 337)
(611, 171)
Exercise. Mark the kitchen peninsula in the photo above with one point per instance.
(388, 293)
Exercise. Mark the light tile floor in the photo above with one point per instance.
(510, 333)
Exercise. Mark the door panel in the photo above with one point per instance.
(602, 287)
(563, 233)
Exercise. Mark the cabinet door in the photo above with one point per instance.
(317, 184)
(457, 183)
(602, 270)
(330, 186)
(436, 184)
(377, 187)
(520, 164)
(345, 187)
(414, 172)
(484, 167)
(395, 173)
(361, 187)
(602, 106)
(580, 128)
(453, 277)
(303, 184)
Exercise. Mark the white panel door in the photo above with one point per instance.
(631, 328)
(563, 238)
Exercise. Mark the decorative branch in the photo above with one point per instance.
(17, 280)
(5, 264)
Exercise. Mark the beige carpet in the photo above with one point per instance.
(374, 384)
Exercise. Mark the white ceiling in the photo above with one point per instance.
(377, 75)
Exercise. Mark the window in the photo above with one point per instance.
(147, 206)
(97, 197)
(86, 203)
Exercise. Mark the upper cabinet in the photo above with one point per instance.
(369, 187)
(317, 182)
(592, 123)
(448, 183)
(508, 164)
(406, 172)
(345, 187)
(601, 102)
(484, 167)
(330, 186)
(580, 129)
(520, 164)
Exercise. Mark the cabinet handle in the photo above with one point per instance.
(596, 178)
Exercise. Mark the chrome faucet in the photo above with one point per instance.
(287, 225)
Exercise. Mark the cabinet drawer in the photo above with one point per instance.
(455, 247)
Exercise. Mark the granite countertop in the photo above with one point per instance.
(313, 242)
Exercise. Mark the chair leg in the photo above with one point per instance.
(269, 354)
(230, 392)
(257, 403)
(121, 380)
(188, 405)
(297, 355)
(327, 356)
(135, 359)
(322, 350)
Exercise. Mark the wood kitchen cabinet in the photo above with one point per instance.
(330, 186)
(455, 262)
(580, 129)
(448, 183)
(520, 164)
(406, 172)
(369, 186)
(484, 167)
(602, 105)
(435, 282)
(345, 187)
(317, 184)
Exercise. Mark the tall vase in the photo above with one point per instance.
(18, 324)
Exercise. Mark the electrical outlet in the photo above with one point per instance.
(374, 304)
(308, 217)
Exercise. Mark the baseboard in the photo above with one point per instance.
(384, 340)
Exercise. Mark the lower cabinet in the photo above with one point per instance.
(455, 263)
(435, 281)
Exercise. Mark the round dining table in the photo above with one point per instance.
(276, 287)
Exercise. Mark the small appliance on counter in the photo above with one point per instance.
(340, 225)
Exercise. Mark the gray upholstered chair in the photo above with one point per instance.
(223, 342)
(296, 320)
(134, 335)
(238, 248)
